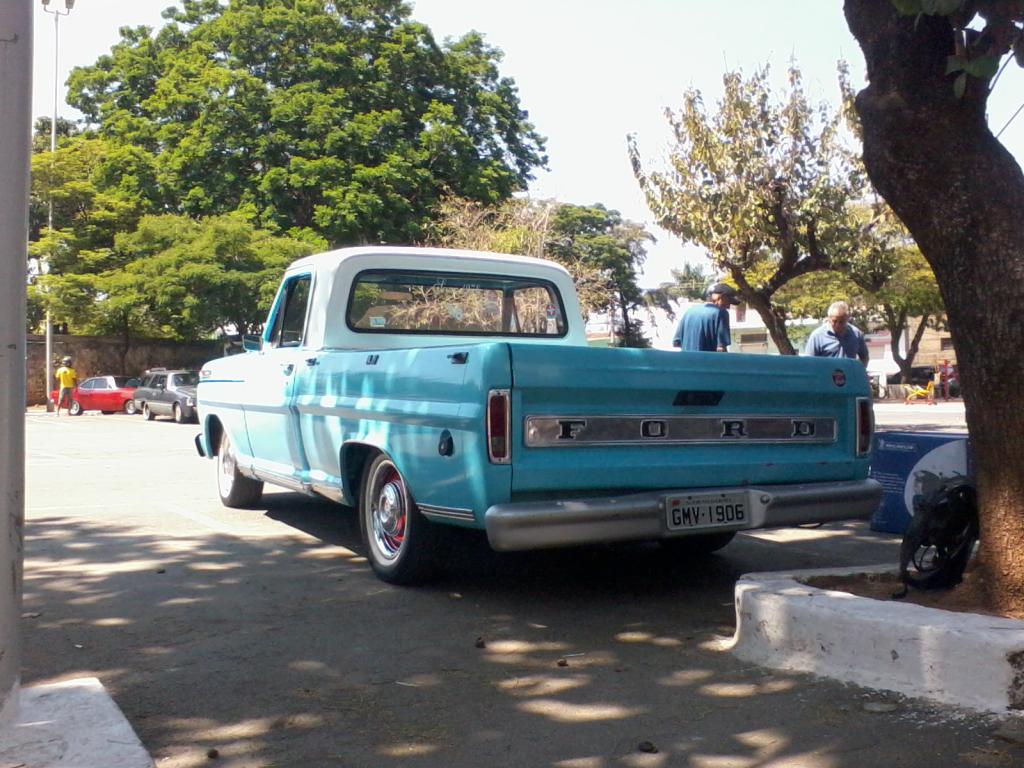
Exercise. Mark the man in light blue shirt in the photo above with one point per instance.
(838, 337)
(706, 328)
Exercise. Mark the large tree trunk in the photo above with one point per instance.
(961, 195)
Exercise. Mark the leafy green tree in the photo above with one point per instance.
(41, 132)
(769, 189)
(929, 150)
(690, 283)
(909, 296)
(200, 277)
(98, 189)
(516, 226)
(616, 248)
(343, 118)
(600, 249)
(910, 293)
(809, 296)
(179, 278)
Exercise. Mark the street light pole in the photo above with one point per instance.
(57, 13)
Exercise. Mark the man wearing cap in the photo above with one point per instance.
(838, 337)
(67, 377)
(706, 328)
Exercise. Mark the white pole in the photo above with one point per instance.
(49, 216)
(53, 157)
(15, 151)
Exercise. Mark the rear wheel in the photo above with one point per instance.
(146, 413)
(129, 407)
(699, 545)
(403, 546)
(235, 489)
(75, 409)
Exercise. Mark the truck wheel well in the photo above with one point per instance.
(215, 429)
(354, 458)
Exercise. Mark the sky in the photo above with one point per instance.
(589, 72)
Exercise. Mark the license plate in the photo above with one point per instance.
(684, 512)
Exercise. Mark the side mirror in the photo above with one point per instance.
(251, 342)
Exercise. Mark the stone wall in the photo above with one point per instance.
(99, 355)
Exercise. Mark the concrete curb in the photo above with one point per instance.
(964, 659)
(75, 724)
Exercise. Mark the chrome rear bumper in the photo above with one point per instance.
(640, 516)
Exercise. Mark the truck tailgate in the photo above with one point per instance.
(630, 420)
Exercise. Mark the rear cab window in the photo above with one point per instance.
(393, 301)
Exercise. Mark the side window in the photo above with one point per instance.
(159, 382)
(89, 384)
(290, 318)
(100, 384)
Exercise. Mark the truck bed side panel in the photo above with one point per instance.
(407, 402)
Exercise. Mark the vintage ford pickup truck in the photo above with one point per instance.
(431, 388)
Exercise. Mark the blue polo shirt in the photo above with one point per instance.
(703, 329)
(824, 343)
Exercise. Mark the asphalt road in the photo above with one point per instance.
(264, 635)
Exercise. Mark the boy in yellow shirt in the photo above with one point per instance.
(67, 378)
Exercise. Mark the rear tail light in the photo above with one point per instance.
(865, 425)
(499, 436)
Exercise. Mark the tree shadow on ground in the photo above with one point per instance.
(285, 650)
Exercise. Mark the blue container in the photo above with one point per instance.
(913, 464)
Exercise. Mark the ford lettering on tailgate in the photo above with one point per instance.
(553, 431)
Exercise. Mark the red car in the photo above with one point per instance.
(103, 393)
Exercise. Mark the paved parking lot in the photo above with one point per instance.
(940, 416)
(264, 635)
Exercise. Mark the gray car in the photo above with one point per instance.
(168, 393)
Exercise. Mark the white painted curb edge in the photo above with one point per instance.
(964, 659)
(74, 724)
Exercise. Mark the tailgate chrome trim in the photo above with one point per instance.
(584, 430)
(638, 516)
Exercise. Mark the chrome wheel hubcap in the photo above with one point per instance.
(226, 459)
(389, 514)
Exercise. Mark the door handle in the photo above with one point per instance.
(287, 368)
(311, 361)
